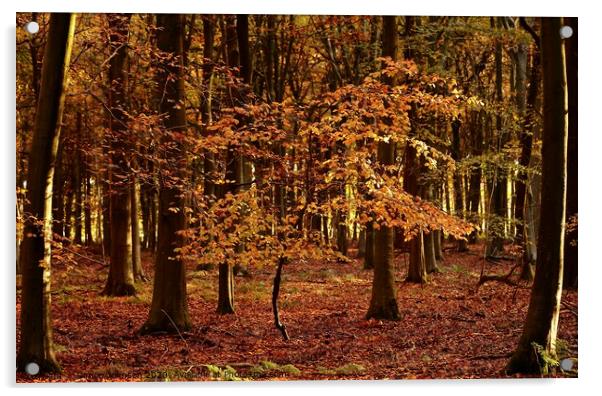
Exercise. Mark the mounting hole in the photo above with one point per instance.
(32, 27)
(566, 364)
(566, 32)
(32, 368)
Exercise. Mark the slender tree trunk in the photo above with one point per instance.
(369, 254)
(206, 103)
(572, 204)
(120, 281)
(136, 249)
(430, 253)
(77, 181)
(497, 223)
(225, 299)
(106, 215)
(36, 344)
(417, 267)
(88, 209)
(342, 239)
(383, 303)
(412, 169)
(68, 213)
(475, 176)
(437, 236)
(526, 138)
(417, 272)
(145, 210)
(459, 200)
(154, 212)
(541, 324)
(361, 244)
(169, 307)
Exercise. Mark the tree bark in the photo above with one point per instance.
(417, 269)
(572, 204)
(526, 139)
(543, 314)
(474, 191)
(139, 274)
(429, 253)
(77, 181)
(459, 200)
(437, 240)
(497, 223)
(88, 208)
(206, 103)
(58, 198)
(169, 307)
(369, 253)
(120, 281)
(383, 303)
(106, 216)
(36, 344)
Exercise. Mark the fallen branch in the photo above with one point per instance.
(495, 259)
(500, 278)
(63, 247)
(570, 308)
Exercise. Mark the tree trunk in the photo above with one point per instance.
(572, 204)
(459, 200)
(68, 213)
(361, 244)
(526, 138)
(474, 193)
(369, 254)
(88, 209)
(497, 217)
(106, 216)
(136, 258)
(429, 253)
(154, 211)
(77, 181)
(208, 65)
(340, 219)
(225, 299)
(58, 198)
(120, 281)
(383, 303)
(169, 307)
(541, 324)
(437, 241)
(417, 266)
(36, 344)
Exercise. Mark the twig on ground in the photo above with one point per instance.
(276, 291)
(176, 327)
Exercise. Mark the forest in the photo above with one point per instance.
(295, 197)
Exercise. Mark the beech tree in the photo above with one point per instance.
(541, 326)
(383, 303)
(169, 307)
(36, 344)
(570, 276)
(120, 281)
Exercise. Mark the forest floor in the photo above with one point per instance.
(448, 328)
